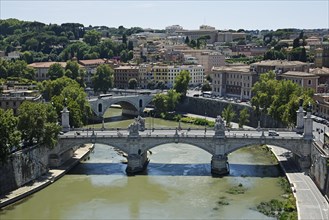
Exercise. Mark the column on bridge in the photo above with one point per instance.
(65, 119)
(137, 158)
(308, 125)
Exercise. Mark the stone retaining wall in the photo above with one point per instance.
(23, 167)
(214, 107)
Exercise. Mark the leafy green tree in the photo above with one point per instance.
(74, 68)
(172, 98)
(160, 103)
(92, 37)
(228, 114)
(244, 117)
(187, 40)
(38, 123)
(9, 135)
(55, 71)
(103, 79)
(263, 91)
(132, 83)
(182, 81)
(206, 87)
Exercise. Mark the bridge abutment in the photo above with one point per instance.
(219, 165)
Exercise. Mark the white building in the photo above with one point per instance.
(196, 73)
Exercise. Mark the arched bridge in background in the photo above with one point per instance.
(131, 104)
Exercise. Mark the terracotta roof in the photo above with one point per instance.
(299, 74)
(46, 64)
(127, 68)
(242, 68)
(277, 63)
(94, 62)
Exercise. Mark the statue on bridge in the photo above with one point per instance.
(219, 127)
(136, 126)
(133, 129)
(141, 123)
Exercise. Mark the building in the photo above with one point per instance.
(196, 73)
(42, 69)
(207, 58)
(322, 56)
(160, 74)
(203, 31)
(321, 107)
(145, 75)
(173, 29)
(123, 74)
(233, 81)
(13, 98)
(91, 66)
(279, 66)
(228, 37)
(323, 81)
(305, 80)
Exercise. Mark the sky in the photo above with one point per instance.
(221, 14)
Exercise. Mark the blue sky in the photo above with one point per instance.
(250, 15)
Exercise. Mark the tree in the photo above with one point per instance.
(228, 114)
(132, 83)
(172, 99)
(92, 37)
(182, 81)
(9, 135)
(187, 40)
(38, 123)
(73, 68)
(124, 39)
(244, 117)
(160, 103)
(103, 79)
(296, 43)
(55, 71)
(206, 87)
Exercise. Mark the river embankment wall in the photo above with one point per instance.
(22, 167)
(214, 107)
(319, 170)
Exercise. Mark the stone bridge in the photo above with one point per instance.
(131, 104)
(135, 142)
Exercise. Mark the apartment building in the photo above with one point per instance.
(196, 73)
(123, 74)
(305, 80)
(233, 81)
(160, 73)
(322, 56)
(321, 108)
(145, 75)
(207, 58)
(42, 69)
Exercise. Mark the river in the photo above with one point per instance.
(176, 185)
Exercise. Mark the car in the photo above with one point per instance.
(273, 133)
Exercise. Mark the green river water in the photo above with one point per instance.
(177, 185)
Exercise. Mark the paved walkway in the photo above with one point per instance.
(311, 204)
(46, 179)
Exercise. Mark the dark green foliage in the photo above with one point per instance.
(103, 79)
(182, 81)
(9, 135)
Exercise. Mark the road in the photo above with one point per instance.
(310, 202)
(183, 132)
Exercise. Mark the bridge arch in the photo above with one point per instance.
(132, 105)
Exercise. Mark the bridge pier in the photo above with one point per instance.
(137, 163)
(219, 165)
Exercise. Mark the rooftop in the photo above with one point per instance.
(320, 71)
(278, 63)
(46, 64)
(299, 74)
(237, 68)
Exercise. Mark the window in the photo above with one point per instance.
(310, 82)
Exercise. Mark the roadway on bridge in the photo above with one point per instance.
(183, 132)
(311, 204)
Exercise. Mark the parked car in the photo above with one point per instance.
(273, 133)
